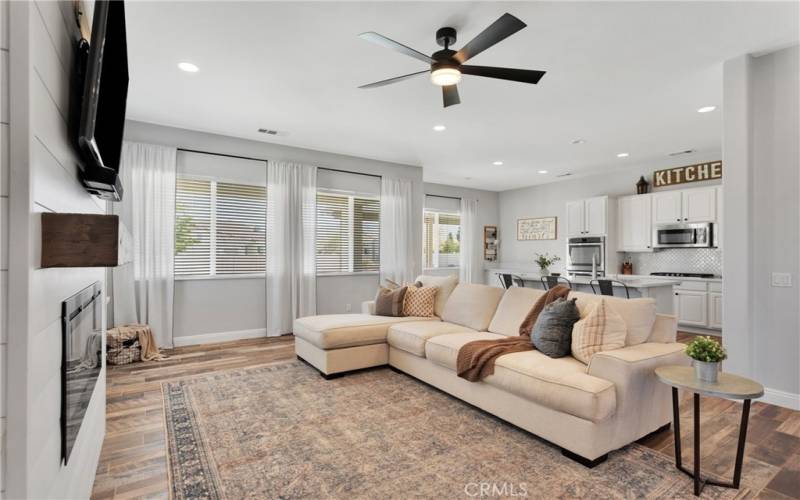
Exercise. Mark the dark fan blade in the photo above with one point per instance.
(501, 29)
(399, 47)
(392, 80)
(450, 95)
(517, 75)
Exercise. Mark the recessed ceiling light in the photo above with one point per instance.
(542, 171)
(439, 128)
(706, 109)
(188, 67)
(622, 155)
(578, 141)
(497, 163)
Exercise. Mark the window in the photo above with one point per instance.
(348, 233)
(220, 228)
(441, 239)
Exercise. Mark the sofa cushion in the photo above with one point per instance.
(602, 330)
(639, 315)
(443, 349)
(561, 384)
(512, 310)
(333, 331)
(411, 337)
(444, 287)
(472, 305)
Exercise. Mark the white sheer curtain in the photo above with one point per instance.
(470, 268)
(399, 254)
(291, 257)
(143, 289)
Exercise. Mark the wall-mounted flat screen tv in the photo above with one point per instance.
(103, 67)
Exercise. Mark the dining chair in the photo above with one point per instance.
(549, 282)
(607, 287)
(509, 280)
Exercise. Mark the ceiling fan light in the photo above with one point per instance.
(445, 76)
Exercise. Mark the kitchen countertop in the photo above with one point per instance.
(630, 280)
(627, 278)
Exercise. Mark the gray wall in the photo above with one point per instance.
(43, 178)
(762, 181)
(217, 306)
(550, 200)
(3, 233)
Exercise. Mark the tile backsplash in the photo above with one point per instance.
(679, 260)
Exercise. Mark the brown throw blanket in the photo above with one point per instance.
(476, 359)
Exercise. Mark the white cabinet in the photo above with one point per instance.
(691, 307)
(667, 207)
(688, 205)
(700, 205)
(634, 226)
(715, 310)
(575, 216)
(588, 217)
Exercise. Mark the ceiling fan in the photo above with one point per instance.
(447, 65)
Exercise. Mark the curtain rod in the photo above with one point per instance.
(442, 196)
(264, 160)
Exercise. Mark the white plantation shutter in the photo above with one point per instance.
(366, 234)
(192, 227)
(333, 233)
(348, 233)
(241, 220)
(220, 228)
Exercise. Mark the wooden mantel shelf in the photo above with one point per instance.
(84, 240)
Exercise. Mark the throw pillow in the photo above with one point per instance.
(552, 332)
(389, 302)
(445, 286)
(602, 330)
(419, 301)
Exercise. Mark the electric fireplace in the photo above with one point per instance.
(82, 356)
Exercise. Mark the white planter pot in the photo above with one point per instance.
(707, 372)
(544, 272)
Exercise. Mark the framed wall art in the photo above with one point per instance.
(539, 228)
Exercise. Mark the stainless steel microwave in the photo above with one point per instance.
(684, 235)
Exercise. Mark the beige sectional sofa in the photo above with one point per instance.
(587, 410)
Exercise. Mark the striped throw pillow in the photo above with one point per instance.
(601, 330)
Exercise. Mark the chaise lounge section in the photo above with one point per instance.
(587, 410)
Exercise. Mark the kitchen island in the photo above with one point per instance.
(638, 286)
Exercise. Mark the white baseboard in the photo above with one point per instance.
(209, 338)
(781, 398)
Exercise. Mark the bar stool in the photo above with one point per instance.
(607, 287)
(549, 282)
(509, 280)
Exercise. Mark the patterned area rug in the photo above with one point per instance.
(281, 431)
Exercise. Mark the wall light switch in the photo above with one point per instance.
(781, 279)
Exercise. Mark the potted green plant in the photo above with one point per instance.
(545, 260)
(707, 354)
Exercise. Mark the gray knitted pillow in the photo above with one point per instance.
(552, 332)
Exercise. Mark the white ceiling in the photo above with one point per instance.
(624, 76)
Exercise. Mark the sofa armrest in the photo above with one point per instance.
(368, 307)
(643, 402)
(665, 329)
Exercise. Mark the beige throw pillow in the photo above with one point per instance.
(601, 330)
(444, 285)
(419, 301)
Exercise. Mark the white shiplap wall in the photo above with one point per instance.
(3, 234)
(44, 179)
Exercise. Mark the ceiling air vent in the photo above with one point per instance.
(268, 131)
(686, 152)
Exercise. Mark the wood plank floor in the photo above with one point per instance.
(133, 462)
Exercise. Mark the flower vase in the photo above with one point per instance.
(705, 371)
(544, 271)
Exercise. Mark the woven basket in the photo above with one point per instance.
(122, 347)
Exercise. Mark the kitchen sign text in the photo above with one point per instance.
(689, 173)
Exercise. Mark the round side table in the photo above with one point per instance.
(728, 387)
